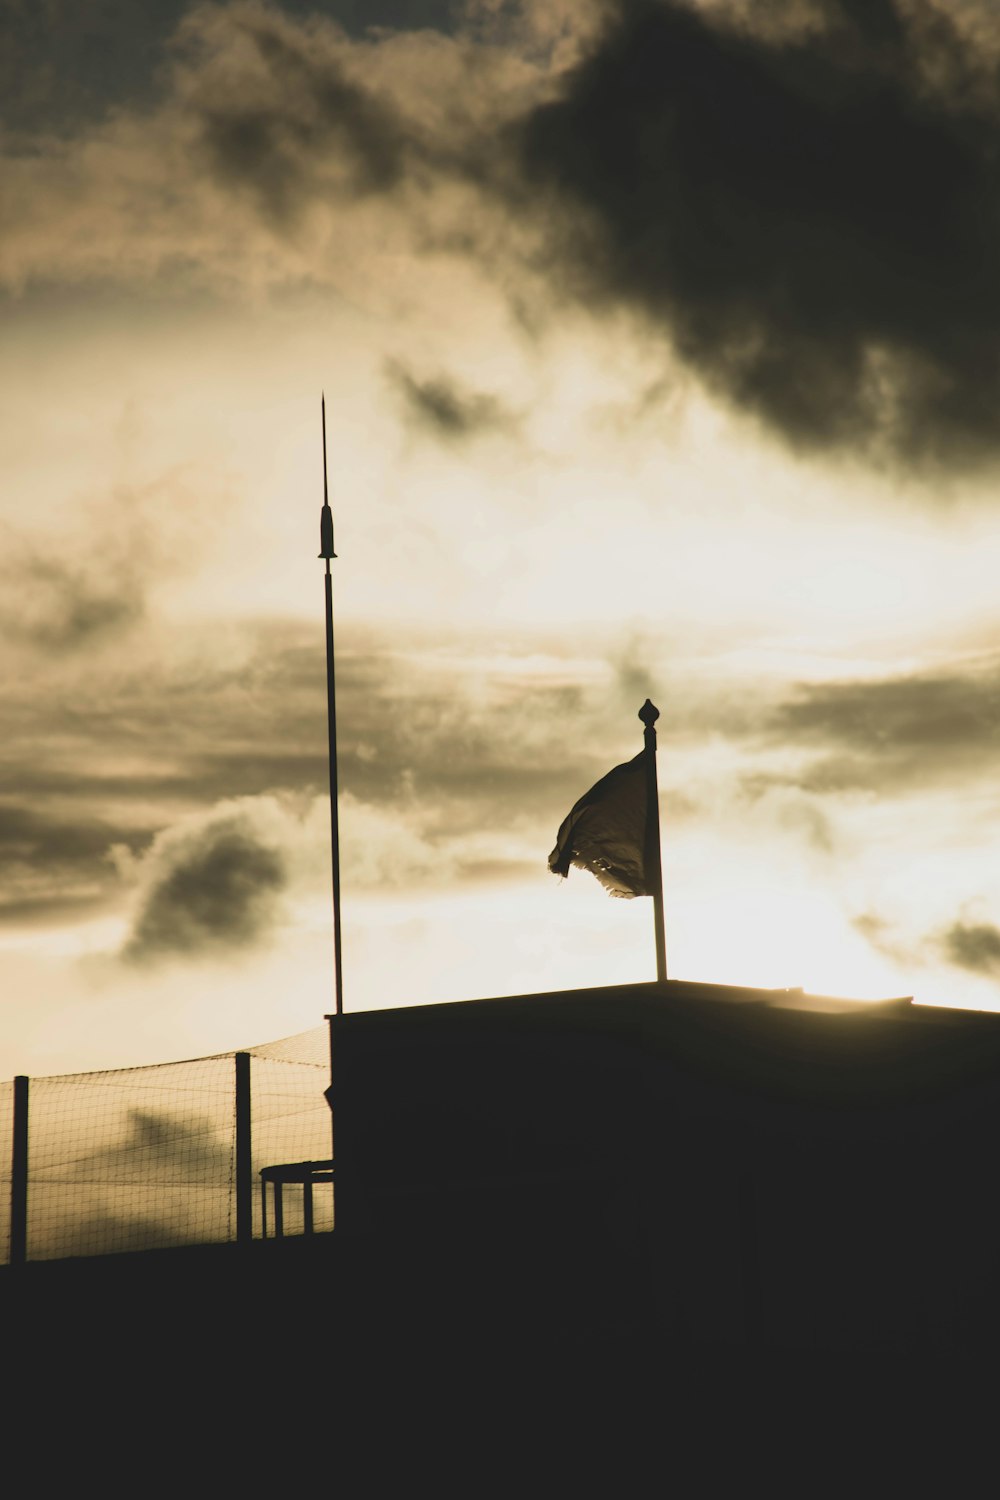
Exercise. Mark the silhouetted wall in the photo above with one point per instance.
(691, 1162)
(577, 1235)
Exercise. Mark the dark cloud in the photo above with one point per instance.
(415, 722)
(872, 927)
(60, 606)
(893, 731)
(456, 742)
(213, 890)
(444, 408)
(888, 940)
(975, 947)
(813, 218)
(634, 671)
(923, 713)
(31, 835)
(293, 122)
(63, 63)
(55, 863)
(86, 583)
(800, 199)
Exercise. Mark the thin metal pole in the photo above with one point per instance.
(328, 1094)
(244, 1170)
(19, 1175)
(649, 714)
(327, 553)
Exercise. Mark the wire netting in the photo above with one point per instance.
(145, 1158)
(292, 1122)
(6, 1147)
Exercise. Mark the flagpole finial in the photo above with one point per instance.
(652, 863)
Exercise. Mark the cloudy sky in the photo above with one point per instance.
(661, 348)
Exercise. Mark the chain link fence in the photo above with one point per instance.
(146, 1158)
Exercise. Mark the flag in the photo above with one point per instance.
(605, 832)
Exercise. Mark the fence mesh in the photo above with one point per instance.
(144, 1158)
(291, 1120)
(6, 1147)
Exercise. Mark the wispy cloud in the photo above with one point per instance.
(448, 410)
(276, 149)
(54, 863)
(66, 606)
(894, 732)
(285, 116)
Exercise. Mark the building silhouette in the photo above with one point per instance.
(594, 1216)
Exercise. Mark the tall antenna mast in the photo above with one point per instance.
(327, 553)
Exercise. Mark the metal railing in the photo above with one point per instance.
(305, 1172)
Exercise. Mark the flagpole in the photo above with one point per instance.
(326, 552)
(649, 714)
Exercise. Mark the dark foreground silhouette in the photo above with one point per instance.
(617, 1235)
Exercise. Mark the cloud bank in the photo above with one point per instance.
(810, 214)
(894, 733)
(799, 201)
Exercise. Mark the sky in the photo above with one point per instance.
(660, 348)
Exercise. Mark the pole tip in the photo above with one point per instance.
(649, 714)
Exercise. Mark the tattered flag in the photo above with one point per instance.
(605, 832)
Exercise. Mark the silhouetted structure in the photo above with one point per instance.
(686, 1164)
(574, 1230)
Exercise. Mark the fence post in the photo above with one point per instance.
(19, 1175)
(244, 1167)
(328, 1095)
